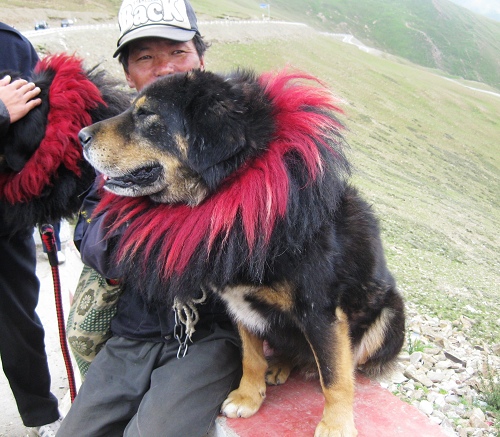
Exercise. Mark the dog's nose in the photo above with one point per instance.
(85, 137)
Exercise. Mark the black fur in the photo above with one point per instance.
(63, 196)
(324, 259)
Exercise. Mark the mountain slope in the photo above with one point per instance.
(432, 33)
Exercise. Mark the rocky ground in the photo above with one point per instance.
(442, 374)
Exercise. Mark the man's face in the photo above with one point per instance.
(151, 58)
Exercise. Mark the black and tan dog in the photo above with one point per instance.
(42, 171)
(237, 184)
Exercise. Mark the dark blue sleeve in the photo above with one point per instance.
(90, 236)
(18, 55)
(16, 51)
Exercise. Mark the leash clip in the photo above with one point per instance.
(181, 337)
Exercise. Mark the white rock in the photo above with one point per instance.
(435, 376)
(398, 378)
(445, 364)
(418, 395)
(470, 370)
(404, 356)
(415, 358)
(440, 401)
(410, 385)
(426, 407)
(449, 364)
(436, 419)
(452, 415)
(431, 396)
(477, 423)
(478, 413)
(452, 399)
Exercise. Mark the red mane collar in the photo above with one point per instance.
(72, 95)
(257, 193)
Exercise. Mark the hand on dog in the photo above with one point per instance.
(18, 97)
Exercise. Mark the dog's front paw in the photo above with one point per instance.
(241, 403)
(347, 429)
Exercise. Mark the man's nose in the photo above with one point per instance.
(164, 68)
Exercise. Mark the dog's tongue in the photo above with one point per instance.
(141, 176)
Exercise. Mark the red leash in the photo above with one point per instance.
(49, 241)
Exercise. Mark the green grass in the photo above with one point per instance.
(431, 33)
(489, 386)
(416, 345)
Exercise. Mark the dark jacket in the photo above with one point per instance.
(135, 318)
(16, 54)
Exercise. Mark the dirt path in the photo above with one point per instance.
(10, 422)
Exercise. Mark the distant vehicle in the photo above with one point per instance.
(41, 25)
(67, 22)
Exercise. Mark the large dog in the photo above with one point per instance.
(236, 184)
(42, 171)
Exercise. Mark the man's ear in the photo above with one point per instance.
(130, 82)
(202, 63)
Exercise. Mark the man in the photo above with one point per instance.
(22, 347)
(144, 381)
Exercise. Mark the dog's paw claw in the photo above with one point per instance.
(323, 430)
(241, 405)
(277, 374)
(347, 430)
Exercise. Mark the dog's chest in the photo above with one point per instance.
(239, 303)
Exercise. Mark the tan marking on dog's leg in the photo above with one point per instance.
(338, 415)
(373, 338)
(248, 397)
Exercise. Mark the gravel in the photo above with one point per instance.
(441, 373)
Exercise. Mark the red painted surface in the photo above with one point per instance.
(295, 408)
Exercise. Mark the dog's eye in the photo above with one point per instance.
(143, 112)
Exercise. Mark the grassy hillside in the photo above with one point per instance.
(431, 33)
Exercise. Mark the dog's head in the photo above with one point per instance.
(183, 135)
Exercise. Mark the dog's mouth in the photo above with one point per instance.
(140, 177)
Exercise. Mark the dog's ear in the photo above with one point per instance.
(229, 118)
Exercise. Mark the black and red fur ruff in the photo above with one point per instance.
(42, 171)
(272, 205)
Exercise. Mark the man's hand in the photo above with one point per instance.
(18, 97)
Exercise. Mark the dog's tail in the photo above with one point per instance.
(376, 353)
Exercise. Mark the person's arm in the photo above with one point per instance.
(16, 100)
(90, 236)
